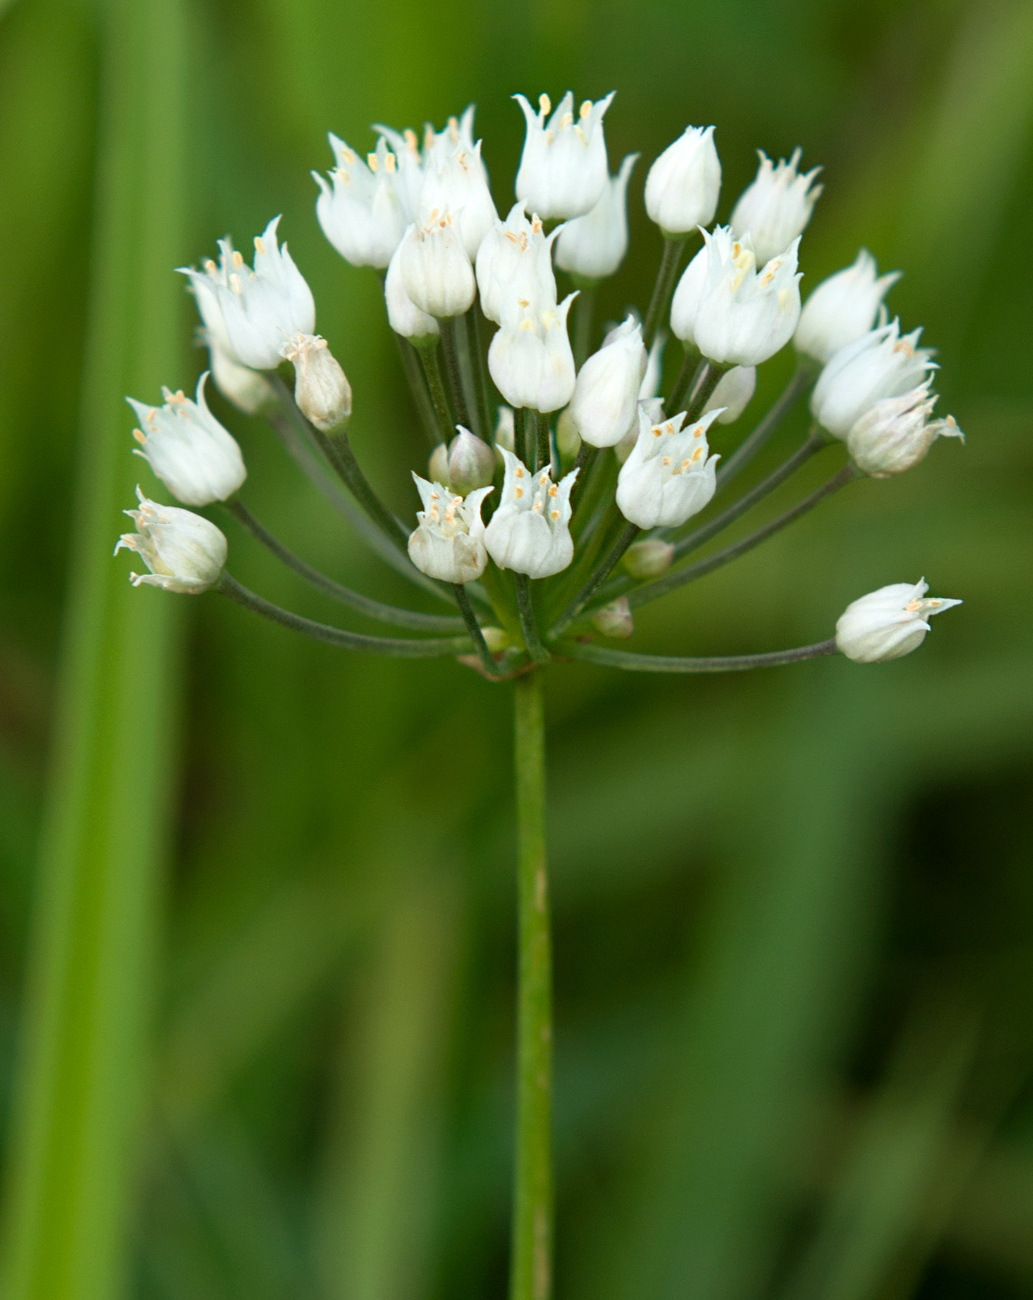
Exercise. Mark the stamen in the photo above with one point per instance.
(238, 259)
(518, 493)
(259, 246)
(372, 161)
(586, 108)
(390, 162)
(545, 105)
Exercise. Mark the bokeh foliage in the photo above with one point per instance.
(794, 910)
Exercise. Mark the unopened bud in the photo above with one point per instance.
(495, 639)
(648, 558)
(568, 440)
(471, 463)
(615, 619)
(321, 388)
(437, 466)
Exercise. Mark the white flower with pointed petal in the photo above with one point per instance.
(529, 532)
(183, 551)
(247, 389)
(455, 181)
(605, 401)
(896, 432)
(189, 450)
(879, 364)
(733, 393)
(593, 246)
(406, 147)
(261, 307)
(448, 544)
(668, 477)
(774, 210)
(514, 263)
(887, 623)
(530, 358)
(688, 296)
(404, 317)
(563, 167)
(363, 213)
(684, 183)
(745, 314)
(436, 272)
(842, 308)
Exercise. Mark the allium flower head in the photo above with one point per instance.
(363, 212)
(448, 544)
(842, 308)
(745, 314)
(529, 532)
(669, 476)
(189, 450)
(563, 169)
(777, 206)
(183, 551)
(684, 183)
(593, 246)
(896, 432)
(879, 364)
(887, 623)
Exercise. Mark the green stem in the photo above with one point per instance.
(666, 279)
(707, 378)
(522, 418)
(543, 452)
(531, 1259)
(637, 663)
(583, 465)
(475, 343)
(750, 446)
(414, 375)
(474, 628)
(609, 562)
(528, 627)
(450, 347)
(439, 398)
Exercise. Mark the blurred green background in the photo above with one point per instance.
(793, 910)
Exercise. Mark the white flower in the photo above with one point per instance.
(688, 295)
(436, 272)
(879, 364)
(896, 432)
(683, 184)
(887, 623)
(404, 317)
(563, 166)
(514, 262)
(605, 401)
(321, 387)
(668, 477)
(260, 308)
(184, 552)
(530, 358)
(776, 207)
(745, 315)
(455, 181)
(842, 308)
(247, 389)
(449, 542)
(365, 214)
(593, 246)
(529, 532)
(733, 393)
(406, 148)
(189, 450)
(471, 462)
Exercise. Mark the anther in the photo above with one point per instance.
(545, 104)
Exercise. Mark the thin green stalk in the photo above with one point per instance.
(531, 1259)
(583, 465)
(689, 375)
(637, 663)
(474, 628)
(450, 347)
(609, 562)
(522, 418)
(81, 1064)
(414, 375)
(479, 373)
(543, 451)
(438, 396)
(709, 376)
(374, 609)
(666, 279)
(528, 627)
(749, 448)
(392, 647)
(584, 309)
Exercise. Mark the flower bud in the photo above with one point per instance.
(404, 317)
(437, 465)
(495, 639)
(842, 308)
(746, 315)
(887, 623)
(530, 531)
(321, 387)
(648, 558)
(514, 262)
(449, 542)
(189, 450)
(248, 390)
(436, 272)
(615, 619)
(896, 433)
(471, 462)
(183, 551)
(365, 213)
(604, 405)
(260, 308)
(733, 393)
(774, 210)
(593, 246)
(879, 364)
(530, 358)
(683, 184)
(687, 298)
(563, 168)
(668, 477)
(505, 429)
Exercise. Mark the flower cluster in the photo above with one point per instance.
(599, 462)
